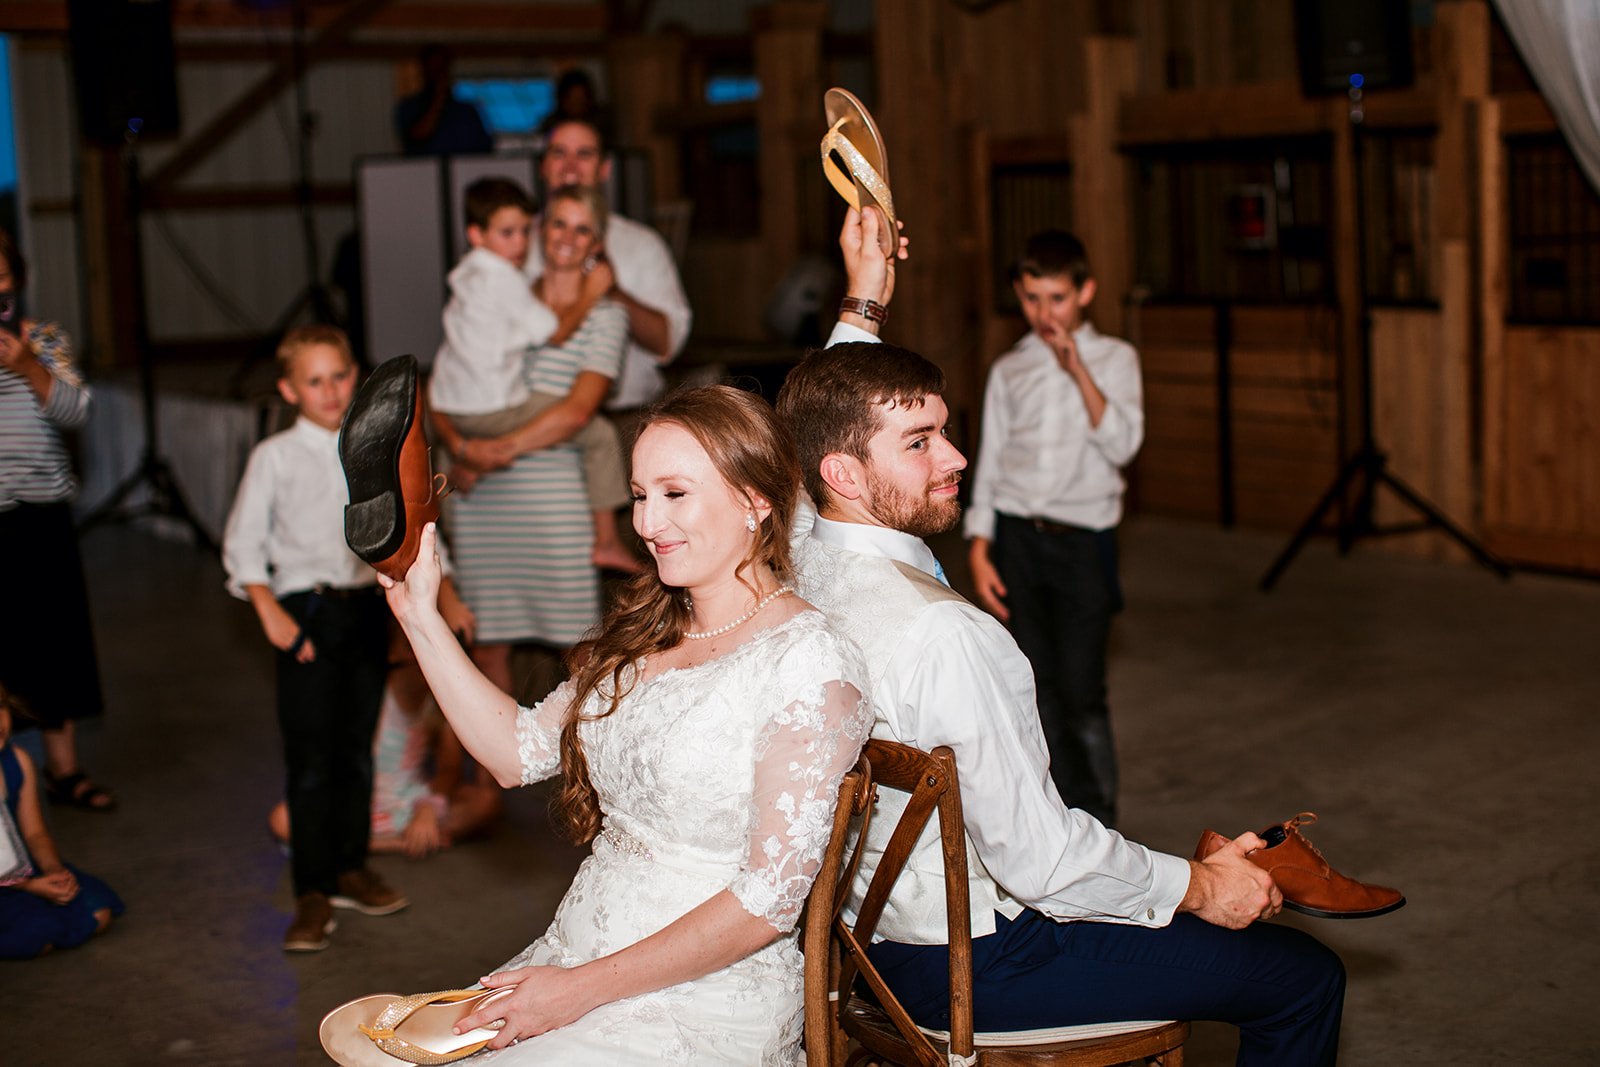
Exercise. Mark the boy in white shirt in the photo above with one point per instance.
(492, 320)
(320, 606)
(1062, 415)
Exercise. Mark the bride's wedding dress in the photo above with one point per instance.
(712, 777)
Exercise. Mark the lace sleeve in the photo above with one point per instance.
(539, 734)
(804, 752)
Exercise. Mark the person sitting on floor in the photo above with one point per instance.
(423, 797)
(51, 904)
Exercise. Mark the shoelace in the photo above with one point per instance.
(1305, 818)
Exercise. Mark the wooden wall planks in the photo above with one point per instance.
(1545, 478)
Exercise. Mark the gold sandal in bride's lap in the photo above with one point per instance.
(387, 1029)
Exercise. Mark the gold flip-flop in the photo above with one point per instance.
(388, 1029)
(864, 180)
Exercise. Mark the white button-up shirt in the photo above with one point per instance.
(1040, 457)
(955, 677)
(644, 270)
(491, 321)
(286, 529)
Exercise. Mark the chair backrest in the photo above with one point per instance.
(836, 951)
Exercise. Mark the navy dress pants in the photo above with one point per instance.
(328, 712)
(1283, 988)
(1062, 591)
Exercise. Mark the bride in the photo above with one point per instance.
(700, 745)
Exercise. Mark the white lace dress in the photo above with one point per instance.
(719, 776)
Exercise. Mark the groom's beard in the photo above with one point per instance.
(920, 515)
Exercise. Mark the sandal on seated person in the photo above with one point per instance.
(77, 790)
(388, 1029)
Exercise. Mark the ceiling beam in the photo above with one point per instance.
(390, 51)
(462, 16)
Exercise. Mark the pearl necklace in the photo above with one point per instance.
(782, 590)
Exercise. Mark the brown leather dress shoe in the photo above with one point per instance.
(1304, 878)
(313, 922)
(365, 892)
(385, 459)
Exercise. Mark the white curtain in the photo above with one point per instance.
(1560, 42)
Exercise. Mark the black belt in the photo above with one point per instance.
(345, 592)
(1050, 526)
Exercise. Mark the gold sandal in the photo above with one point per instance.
(864, 179)
(386, 1029)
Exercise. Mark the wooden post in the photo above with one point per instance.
(1493, 304)
(647, 80)
(789, 64)
(930, 190)
(1430, 439)
(108, 257)
(1100, 175)
(1347, 280)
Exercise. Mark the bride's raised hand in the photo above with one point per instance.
(419, 593)
(546, 998)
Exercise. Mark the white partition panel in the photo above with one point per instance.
(412, 232)
(464, 170)
(403, 255)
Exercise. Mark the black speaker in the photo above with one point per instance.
(124, 68)
(1342, 40)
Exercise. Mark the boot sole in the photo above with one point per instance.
(369, 909)
(370, 441)
(311, 946)
(1320, 914)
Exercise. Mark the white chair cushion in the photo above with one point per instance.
(1085, 1032)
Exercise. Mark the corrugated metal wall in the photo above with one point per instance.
(211, 273)
(208, 273)
(229, 273)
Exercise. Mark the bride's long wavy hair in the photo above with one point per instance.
(754, 454)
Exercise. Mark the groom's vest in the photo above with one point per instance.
(874, 602)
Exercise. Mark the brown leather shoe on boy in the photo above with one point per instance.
(364, 891)
(313, 922)
(385, 459)
(1304, 878)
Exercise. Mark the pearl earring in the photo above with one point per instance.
(750, 521)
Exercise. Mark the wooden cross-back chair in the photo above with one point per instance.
(836, 957)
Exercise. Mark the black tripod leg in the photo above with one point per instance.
(111, 506)
(1361, 522)
(1439, 519)
(172, 503)
(1312, 523)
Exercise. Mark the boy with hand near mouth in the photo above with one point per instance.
(1062, 416)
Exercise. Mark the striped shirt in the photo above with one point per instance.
(524, 536)
(33, 458)
(598, 345)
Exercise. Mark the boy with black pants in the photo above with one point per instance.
(320, 606)
(1062, 415)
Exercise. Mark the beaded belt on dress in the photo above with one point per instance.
(626, 842)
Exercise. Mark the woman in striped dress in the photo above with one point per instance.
(523, 536)
(47, 656)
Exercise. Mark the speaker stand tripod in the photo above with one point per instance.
(154, 473)
(314, 294)
(1368, 467)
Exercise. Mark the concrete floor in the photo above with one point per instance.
(1441, 721)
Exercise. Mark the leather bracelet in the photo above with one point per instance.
(867, 309)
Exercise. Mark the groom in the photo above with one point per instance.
(1071, 922)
